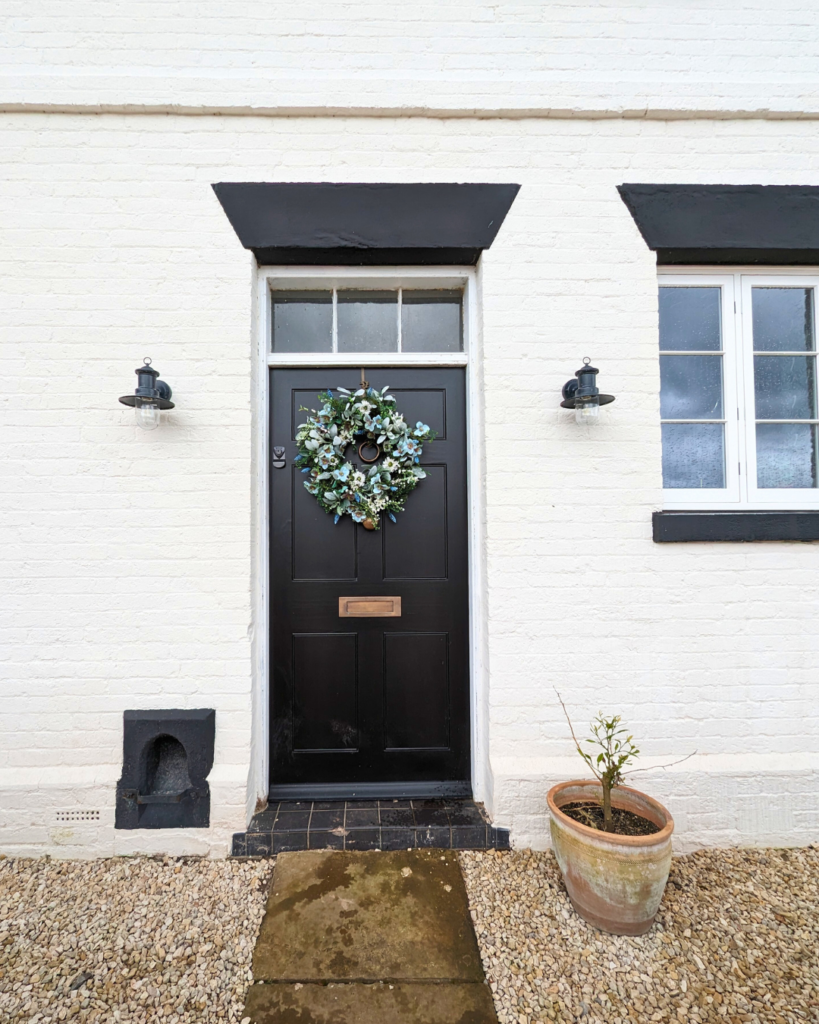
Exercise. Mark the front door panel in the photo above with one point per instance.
(359, 698)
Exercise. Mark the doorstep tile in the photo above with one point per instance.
(469, 837)
(433, 835)
(499, 838)
(239, 846)
(361, 819)
(400, 817)
(284, 842)
(397, 838)
(465, 814)
(292, 821)
(431, 816)
(363, 839)
(325, 840)
(258, 844)
(327, 819)
(264, 820)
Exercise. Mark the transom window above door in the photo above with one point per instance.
(738, 390)
(367, 320)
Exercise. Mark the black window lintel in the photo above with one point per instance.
(675, 527)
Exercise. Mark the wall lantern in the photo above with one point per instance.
(150, 398)
(582, 394)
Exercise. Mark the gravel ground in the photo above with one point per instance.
(737, 940)
(128, 939)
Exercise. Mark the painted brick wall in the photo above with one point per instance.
(126, 559)
(614, 56)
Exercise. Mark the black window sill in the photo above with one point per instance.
(675, 527)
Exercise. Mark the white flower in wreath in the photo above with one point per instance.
(357, 480)
(391, 465)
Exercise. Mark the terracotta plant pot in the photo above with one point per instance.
(614, 882)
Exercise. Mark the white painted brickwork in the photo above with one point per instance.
(632, 57)
(127, 557)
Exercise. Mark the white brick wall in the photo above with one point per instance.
(126, 557)
(674, 57)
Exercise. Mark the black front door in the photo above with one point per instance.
(380, 704)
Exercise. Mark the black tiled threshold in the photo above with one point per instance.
(368, 825)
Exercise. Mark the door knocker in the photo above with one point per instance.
(370, 445)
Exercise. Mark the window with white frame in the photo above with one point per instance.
(738, 390)
(365, 320)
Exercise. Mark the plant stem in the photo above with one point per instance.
(608, 821)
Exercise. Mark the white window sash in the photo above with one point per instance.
(730, 495)
(785, 498)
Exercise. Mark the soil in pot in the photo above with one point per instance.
(626, 823)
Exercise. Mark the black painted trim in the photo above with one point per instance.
(382, 257)
(727, 224)
(675, 527)
(365, 224)
(737, 257)
(371, 791)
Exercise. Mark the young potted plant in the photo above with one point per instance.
(613, 843)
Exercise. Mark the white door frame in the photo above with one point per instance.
(468, 278)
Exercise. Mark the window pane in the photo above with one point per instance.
(785, 387)
(367, 321)
(690, 319)
(783, 319)
(431, 321)
(691, 387)
(302, 321)
(785, 455)
(693, 455)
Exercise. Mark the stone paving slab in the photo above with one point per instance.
(401, 1003)
(366, 917)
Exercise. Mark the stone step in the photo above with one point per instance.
(361, 936)
(400, 1003)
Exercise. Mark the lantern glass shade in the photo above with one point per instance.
(147, 414)
(587, 412)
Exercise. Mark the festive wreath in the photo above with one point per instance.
(369, 418)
